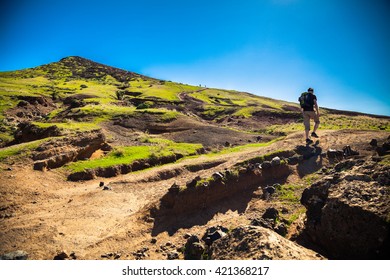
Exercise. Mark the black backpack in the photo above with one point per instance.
(306, 100)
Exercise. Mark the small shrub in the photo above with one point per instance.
(118, 153)
(145, 105)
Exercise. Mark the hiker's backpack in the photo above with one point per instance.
(306, 100)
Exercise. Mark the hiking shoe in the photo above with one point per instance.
(313, 134)
(309, 141)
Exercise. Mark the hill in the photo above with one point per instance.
(178, 160)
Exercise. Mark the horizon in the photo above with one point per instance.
(273, 48)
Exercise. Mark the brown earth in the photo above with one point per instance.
(43, 214)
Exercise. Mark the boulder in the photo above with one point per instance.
(335, 154)
(374, 142)
(348, 216)
(253, 242)
(271, 213)
(16, 255)
(214, 233)
(275, 161)
(266, 165)
(193, 249)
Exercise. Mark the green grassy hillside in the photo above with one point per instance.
(81, 95)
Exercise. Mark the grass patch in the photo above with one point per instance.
(290, 218)
(71, 125)
(126, 155)
(22, 149)
(289, 193)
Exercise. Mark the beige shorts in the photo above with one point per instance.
(307, 115)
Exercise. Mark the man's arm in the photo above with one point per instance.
(316, 107)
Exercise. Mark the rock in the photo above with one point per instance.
(374, 142)
(252, 242)
(266, 165)
(193, 182)
(344, 165)
(61, 256)
(384, 149)
(347, 150)
(261, 222)
(335, 154)
(214, 233)
(275, 161)
(281, 229)
(194, 249)
(16, 255)
(23, 103)
(349, 217)
(106, 188)
(218, 176)
(271, 213)
(270, 189)
(101, 184)
(154, 240)
(173, 255)
(306, 152)
(174, 189)
(82, 175)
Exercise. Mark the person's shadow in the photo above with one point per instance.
(312, 159)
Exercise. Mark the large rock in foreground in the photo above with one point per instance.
(253, 242)
(348, 212)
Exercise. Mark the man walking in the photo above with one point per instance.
(308, 102)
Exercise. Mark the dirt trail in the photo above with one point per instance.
(49, 214)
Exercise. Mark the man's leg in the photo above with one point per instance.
(316, 122)
(306, 122)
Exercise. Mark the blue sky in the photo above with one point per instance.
(274, 48)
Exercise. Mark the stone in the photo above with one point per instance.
(193, 182)
(174, 189)
(16, 255)
(173, 255)
(374, 142)
(253, 242)
(217, 176)
(281, 229)
(194, 249)
(271, 213)
(270, 189)
(61, 256)
(275, 161)
(348, 216)
(266, 165)
(335, 154)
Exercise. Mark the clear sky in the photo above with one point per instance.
(274, 48)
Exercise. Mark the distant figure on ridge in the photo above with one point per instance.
(308, 102)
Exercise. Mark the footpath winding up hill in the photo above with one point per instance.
(101, 163)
